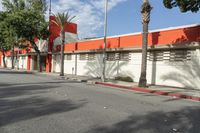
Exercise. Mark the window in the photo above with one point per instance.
(172, 55)
(83, 57)
(111, 57)
(155, 56)
(68, 57)
(23, 57)
(180, 55)
(91, 56)
(124, 56)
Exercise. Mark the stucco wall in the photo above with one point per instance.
(166, 72)
(23, 62)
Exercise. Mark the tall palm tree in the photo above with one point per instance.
(146, 12)
(62, 20)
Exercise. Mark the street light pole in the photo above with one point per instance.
(49, 8)
(105, 36)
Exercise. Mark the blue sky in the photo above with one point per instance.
(123, 16)
(126, 17)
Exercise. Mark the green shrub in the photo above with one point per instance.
(124, 78)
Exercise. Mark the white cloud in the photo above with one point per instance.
(89, 13)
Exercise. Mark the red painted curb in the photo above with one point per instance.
(163, 93)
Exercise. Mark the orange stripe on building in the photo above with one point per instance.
(70, 47)
(173, 36)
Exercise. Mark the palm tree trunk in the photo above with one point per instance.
(12, 58)
(143, 80)
(62, 54)
(39, 62)
(38, 55)
(4, 60)
(146, 11)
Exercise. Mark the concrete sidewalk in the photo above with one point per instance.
(159, 90)
(174, 92)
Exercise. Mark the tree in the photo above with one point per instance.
(62, 20)
(10, 40)
(4, 36)
(184, 5)
(12, 7)
(146, 11)
(28, 20)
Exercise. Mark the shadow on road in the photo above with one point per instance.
(9, 85)
(24, 101)
(51, 79)
(12, 111)
(186, 120)
(26, 90)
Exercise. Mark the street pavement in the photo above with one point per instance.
(48, 104)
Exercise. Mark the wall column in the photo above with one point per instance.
(0, 58)
(29, 63)
(48, 63)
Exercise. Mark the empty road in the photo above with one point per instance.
(47, 104)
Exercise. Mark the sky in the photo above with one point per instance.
(123, 16)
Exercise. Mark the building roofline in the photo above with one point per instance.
(150, 31)
(175, 28)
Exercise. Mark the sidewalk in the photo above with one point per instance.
(159, 90)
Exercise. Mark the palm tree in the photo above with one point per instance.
(146, 12)
(62, 20)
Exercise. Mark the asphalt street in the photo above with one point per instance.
(47, 104)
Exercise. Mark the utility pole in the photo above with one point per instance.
(52, 48)
(49, 9)
(105, 36)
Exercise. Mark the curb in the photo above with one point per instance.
(147, 90)
(19, 71)
(29, 72)
(163, 93)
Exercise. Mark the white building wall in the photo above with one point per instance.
(23, 62)
(56, 63)
(82, 66)
(32, 63)
(69, 65)
(180, 74)
(8, 61)
(165, 72)
(91, 67)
